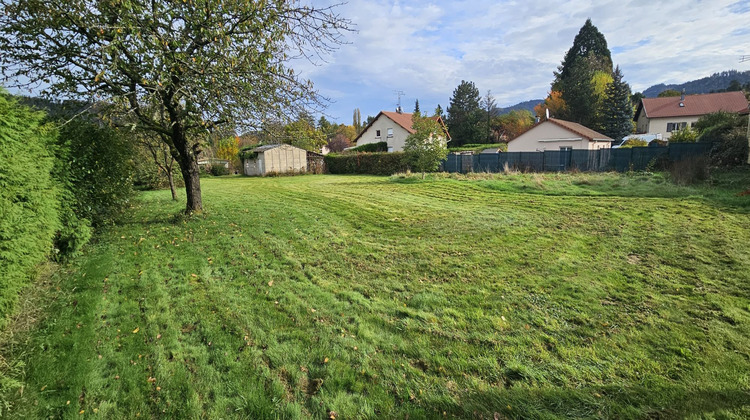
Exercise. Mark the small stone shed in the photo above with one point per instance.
(275, 159)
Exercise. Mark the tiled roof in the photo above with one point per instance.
(584, 132)
(404, 120)
(693, 105)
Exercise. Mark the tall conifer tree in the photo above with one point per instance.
(617, 112)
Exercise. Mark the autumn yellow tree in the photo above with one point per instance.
(229, 149)
(555, 103)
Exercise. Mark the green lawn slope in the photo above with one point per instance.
(483, 296)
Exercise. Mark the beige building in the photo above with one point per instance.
(276, 158)
(665, 115)
(392, 128)
(554, 134)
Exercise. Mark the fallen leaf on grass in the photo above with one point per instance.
(151, 379)
(325, 360)
(135, 331)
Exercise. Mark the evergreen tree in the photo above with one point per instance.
(489, 106)
(464, 113)
(617, 109)
(578, 94)
(416, 107)
(589, 43)
(585, 64)
(439, 112)
(357, 121)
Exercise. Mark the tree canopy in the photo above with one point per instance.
(617, 109)
(581, 79)
(425, 148)
(464, 113)
(178, 69)
(588, 43)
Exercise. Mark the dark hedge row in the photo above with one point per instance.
(371, 147)
(367, 163)
(54, 185)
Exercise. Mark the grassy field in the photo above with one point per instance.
(505, 296)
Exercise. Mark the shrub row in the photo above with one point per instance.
(367, 163)
(29, 211)
(371, 148)
(54, 185)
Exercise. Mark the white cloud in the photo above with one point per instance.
(512, 47)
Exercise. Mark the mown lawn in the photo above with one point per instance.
(520, 296)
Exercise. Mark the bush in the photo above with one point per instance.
(366, 163)
(686, 135)
(634, 142)
(727, 132)
(28, 197)
(218, 170)
(371, 148)
(731, 149)
(99, 165)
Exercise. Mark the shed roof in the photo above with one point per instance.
(692, 105)
(266, 147)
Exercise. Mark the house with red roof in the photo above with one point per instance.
(665, 115)
(554, 134)
(392, 128)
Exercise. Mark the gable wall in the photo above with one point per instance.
(383, 123)
(531, 141)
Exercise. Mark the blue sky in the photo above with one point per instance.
(512, 47)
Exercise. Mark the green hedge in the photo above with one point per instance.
(371, 148)
(366, 163)
(29, 197)
(100, 167)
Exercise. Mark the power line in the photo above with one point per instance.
(744, 58)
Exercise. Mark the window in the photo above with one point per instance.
(675, 126)
(390, 132)
(566, 148)
(377, 133)
(390, 149)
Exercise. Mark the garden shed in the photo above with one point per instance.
(275, 159)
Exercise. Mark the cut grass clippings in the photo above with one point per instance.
(477, 296)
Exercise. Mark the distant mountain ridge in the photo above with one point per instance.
(527, 105)
(714, 82)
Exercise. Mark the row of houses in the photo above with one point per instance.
(655, 118)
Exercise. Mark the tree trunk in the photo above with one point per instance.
(188, 161)
(172, 188)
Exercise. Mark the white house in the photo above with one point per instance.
(665, 115)
(392, 128)
(554, 134)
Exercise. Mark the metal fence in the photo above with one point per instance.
(622, 160)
